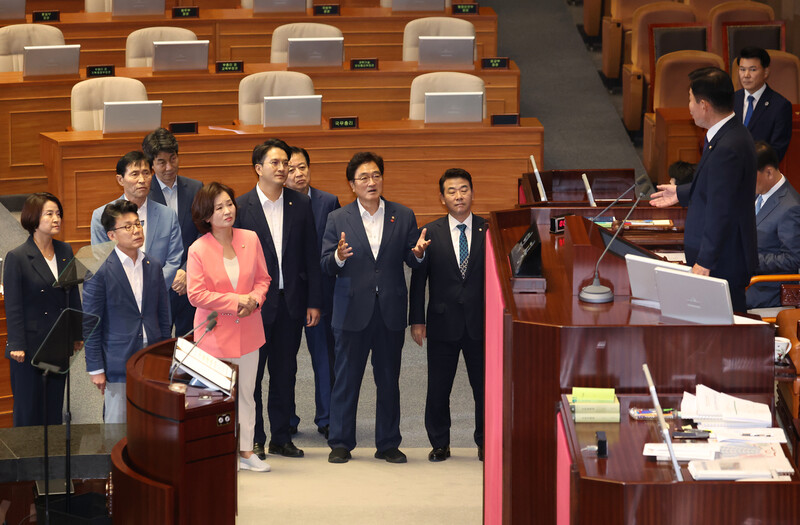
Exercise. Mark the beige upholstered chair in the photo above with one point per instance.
(703, 7)
(97, 6)
(253, 89)
(739, 11)
(432, 26)
(15, 37)
(88, 97)
(388, 3)
(248, 4)
(139, 45)
(279, 48)
(441, 81)
(616, 35)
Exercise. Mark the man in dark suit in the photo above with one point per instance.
(128, 295)
(765, 112)
(364, 246)
(454, 264)
(177, 193)
(319, 338)
(284, 222)
(778, 227)
(720, 231)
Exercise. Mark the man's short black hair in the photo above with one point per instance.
(755, 52)
(157, 141)
(682, 172)
(362, 157)
(454, 173)
(714, 86)
(110, 213)
(766, 156)
(260, 151)
(132, 158)
(300, 151)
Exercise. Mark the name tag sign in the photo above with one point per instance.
(494, 63)
(363, 63)
(343, 122)
(230, 66)
(326, 9)
(100, 71)
(53, 15)
(465, 9)
(186, 12)
(505, 119)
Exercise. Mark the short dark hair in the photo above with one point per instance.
(682, 172)
(766, 156)
(714, 86)
(32, 209)
(454, 173)
(203, 204)
(260, 151)
(157, 141)
(362, 157)
(755, 52)
(300, 151)
(117, 208)
(132, 158)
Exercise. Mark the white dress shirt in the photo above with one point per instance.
(756, 97)
(772, 190)
(373, 226)
(716, 127)
(273, 212)
(170, 194)
(455, 234)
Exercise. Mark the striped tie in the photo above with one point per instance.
(463, 250)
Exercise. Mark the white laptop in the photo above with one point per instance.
(279, 6)
(125, 117)
(464, 106)
(641, 274)
(418, 5)
(181, 55)
(305, 110)
(51, 60)
(315, 52)
(137, 8)
(446, 52)
(12, 10)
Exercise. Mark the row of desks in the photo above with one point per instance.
(30, 107)
(74, 6)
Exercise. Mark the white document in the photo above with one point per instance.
(683, 451)
(203, 366)
(751, 435)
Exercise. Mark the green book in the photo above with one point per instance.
(593, 407)
(596, 417)
(593, 395)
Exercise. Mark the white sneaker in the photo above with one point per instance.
(253, 463)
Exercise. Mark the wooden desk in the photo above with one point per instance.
(75, 6)
(627, 488)
(565, 187)
(80, 165)
(541, 345)
(30, 107)
(236, 34)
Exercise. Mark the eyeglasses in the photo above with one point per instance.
(275, 163)
(130, 227)
(377, 177)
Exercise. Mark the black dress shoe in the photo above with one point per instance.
(480, 453)
(393, 455)
(339, 455)
(258, 450)
(287, 449)
(293, 430)
(439, 454)
(324, 430)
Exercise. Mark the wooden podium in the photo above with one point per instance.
(180, 457)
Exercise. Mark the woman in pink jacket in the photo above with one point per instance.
(226, 272)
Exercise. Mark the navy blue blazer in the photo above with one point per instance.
(301, 273)
(322, 203)
(778, 230)
(456, 303)
(108, 295)
(354, 293)
(771, 120)
(187, 189)
(32, 304)
(720, 229)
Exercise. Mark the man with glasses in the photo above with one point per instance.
(283, 220)
(160, 227)
(364, 247)
(128, 295)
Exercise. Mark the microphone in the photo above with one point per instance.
(211, 317)
(212, 323)
(596, 292)
(539, 185)
(588, 188)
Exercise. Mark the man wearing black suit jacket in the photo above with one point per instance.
(284, 222)
(455, 267)
(177, 193)
(720, 231)
(765, 112)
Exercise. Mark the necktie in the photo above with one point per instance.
(463, 250)
(759, 202)
(750, 99)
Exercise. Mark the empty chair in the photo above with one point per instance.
(432, 26)
(279, 52)
(15, 37)
(702, 8)
(616, 35)
(740, 11)
(139, 45)
(88, 97)
(739, 35)
(253, 89)
(439, 82)
(97, 6)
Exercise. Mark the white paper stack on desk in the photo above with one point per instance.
(712, 410)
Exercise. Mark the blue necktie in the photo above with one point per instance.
(759, 202)
(463, 250)
(750, 99)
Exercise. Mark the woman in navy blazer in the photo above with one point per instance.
(32, 307)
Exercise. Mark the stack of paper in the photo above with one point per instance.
(711, 409)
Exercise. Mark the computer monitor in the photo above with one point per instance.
(454, 107)
(181, 55)
(695, 298)
(12, 10)
(130, 116)
(302, 110)
(446, 52)
(418, 5)
(51, 60)
(641, 274)
(279, 6)
(137, 7)
(315, 52)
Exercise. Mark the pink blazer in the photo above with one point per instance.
(209, 289)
